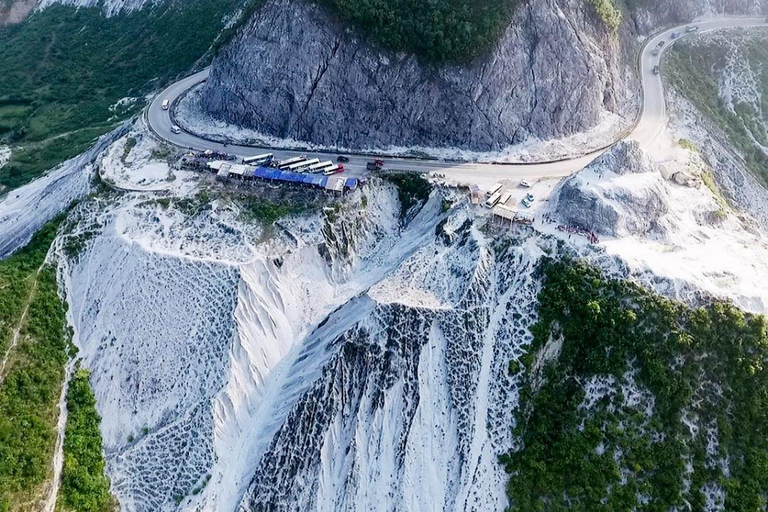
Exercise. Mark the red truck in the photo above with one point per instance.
(376, 165)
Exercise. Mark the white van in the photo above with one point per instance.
(175, 129)
(166, 104)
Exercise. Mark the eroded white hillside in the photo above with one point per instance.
(344, 359)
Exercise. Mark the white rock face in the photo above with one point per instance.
(349, 363)
(24, 210)
(111, 7)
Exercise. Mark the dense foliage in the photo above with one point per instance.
(31, 383)
(438, 30)
(412, 189)
(663, 366)
(84, 486)
(64, 70)
(608, 12)
(694, 69)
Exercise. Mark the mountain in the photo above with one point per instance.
(296, 71)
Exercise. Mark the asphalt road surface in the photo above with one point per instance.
(651, 124)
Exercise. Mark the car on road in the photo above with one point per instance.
(343, 159)
(690, 29)
(675, 35)
(175, 129)
(656, 70)
(656, 52)
(525, 184)
(662, 43)
(166, 104)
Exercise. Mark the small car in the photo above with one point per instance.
(656, 70)
(175, 129)
(688, 30)
(525, 184)
(661, 44)
(675, 35)
(343, 159)
(656, 52)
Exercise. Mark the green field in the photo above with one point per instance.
(65, 69)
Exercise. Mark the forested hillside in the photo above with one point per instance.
(632, 399)
(725, 77)
(69, 75)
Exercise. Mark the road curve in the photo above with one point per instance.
(651, 123)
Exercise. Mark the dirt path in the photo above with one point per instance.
(58, 454)
(17, 330)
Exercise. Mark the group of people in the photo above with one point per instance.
(574, 230)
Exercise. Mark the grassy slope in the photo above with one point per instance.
(84, 485)
(707, 362)
(31, 382)
(694, 68)
(63, 69)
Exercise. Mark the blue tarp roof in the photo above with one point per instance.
(291, 177)
(351, 183)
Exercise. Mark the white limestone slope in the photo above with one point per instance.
(345, 362)
(24, 210)
(411, 401)
(111, 7)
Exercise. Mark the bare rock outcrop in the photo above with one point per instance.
(293, 71)
(621, 193)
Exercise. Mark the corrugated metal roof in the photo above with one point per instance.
(335, 184)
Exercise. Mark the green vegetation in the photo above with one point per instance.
(64, 70)
(608, 12)
(17, 278)
(687, 144)
(31, 383)
(438, 30)
(694, 68)
(412, 189)
(84, 486)
(705, 364)
(267, 212)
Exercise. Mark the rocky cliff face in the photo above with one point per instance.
(293, 71)
(619, 194)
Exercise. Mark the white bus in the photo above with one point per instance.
(166, 104)
(259, 159)
(300, 166)
(285, 163)
(332, 170)
(320, 167)
(506, 197)
(493, 200)
(494, 189)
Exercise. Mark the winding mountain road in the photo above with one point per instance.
(651, 123)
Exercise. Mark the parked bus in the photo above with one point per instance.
(320, 167)
(493, 200)
(333, 170)
(300, 166)
(259, 159)
(505, 198)
(496, 188)
(285, 163)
